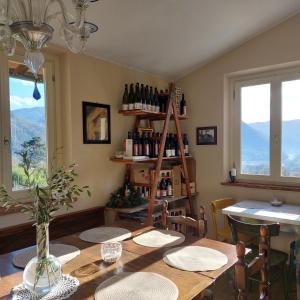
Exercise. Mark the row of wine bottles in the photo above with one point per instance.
(164, 188)
(148, 144)
(147, 99)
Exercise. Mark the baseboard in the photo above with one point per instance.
(23, 235)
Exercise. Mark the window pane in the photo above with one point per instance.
(255, 129)
(290, 141)
(28, 127)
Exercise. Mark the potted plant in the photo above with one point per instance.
(43, 272)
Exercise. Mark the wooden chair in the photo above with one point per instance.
(294, 268)
(221, 233)
(277, 259)
(183, 224)
(187, 225)
(242, 269)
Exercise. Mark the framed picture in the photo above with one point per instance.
(206, 135)
(96, 123)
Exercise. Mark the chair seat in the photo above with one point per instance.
(225, 233)
(276, 257)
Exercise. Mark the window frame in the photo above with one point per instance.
(53, 121)
(275, 78)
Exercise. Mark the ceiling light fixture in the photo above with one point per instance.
(28, 21)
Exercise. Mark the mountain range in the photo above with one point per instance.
(29, 122)
(25, 124)
(255, 137)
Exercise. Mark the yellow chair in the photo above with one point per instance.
(221, 233)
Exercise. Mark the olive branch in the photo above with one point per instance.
(60, 191)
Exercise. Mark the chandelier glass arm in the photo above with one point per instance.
(80, 15)
(63, 12)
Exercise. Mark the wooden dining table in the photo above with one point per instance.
(90, 269)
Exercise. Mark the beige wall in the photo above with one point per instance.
(206, 98)
(84, 78)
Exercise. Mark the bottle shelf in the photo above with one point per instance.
(158, 202)
(149, 160)
(143, 114)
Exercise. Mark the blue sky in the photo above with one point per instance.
(21, 94)
(256, 102)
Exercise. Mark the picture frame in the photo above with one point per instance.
(96, 123)
(207, 135)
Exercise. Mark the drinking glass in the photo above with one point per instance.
(111, 251)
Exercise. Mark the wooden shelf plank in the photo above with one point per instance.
(143, 114)
(150, 160)
(264, 186)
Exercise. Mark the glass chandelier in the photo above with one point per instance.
(28, 21)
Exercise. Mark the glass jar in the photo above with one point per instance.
(43, 272)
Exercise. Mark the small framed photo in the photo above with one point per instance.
(96, 123)
(206, 135)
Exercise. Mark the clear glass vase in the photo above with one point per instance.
(43, 272)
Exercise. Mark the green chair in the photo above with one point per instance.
(277, 262)
(294, 268)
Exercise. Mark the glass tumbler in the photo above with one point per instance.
(111, 251)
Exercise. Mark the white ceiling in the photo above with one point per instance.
(172, 37)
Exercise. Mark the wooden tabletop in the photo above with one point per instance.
(90, 270)
(261, 210)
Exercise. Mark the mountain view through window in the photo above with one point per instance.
(28, 127)
(255, 129)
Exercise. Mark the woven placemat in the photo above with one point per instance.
(105, 234)
(160, 238)
(195, 258)
(62, 252)
(64, 289)
(137, 286)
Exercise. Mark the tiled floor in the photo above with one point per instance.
(223, 290)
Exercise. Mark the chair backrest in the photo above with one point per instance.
(216, 206)
(242, 270)
(184, 224)
(294, 264)
(238, 226)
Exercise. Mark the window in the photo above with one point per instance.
(266, 126)
(25, 123)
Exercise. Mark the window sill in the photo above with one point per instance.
(264, 186)
(5, 211)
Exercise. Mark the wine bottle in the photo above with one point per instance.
(135, 145)
(163, 186)
(145, 145)
(125, 102)
(129, 145)
(186, 144)
(172, 145)
(140, 144)
(176, 146)
(168, 145)
(126, 186)
(169, 185)
(148, 99)
(136, 97)
(183, 111)
(143, 98)
(131, 98)
(152, 145)
(158, 194)
(152, 104)
(156, 101)
(146, 192)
